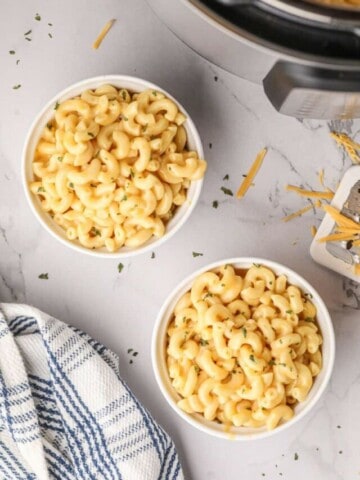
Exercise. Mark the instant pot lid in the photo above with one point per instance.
(296, 25)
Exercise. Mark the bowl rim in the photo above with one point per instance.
(278, 268)
(67, 93)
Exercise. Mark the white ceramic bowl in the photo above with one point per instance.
(135, 85)
(242, 433)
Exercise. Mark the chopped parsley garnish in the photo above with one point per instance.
(95, 232)
(272, 362)
(215, 204)
(226, 177)
(44, 276)
(91, 134)
(124, 118)
(309, 295)
(216, 78)
(17, 62)
(124, 198)
(130, 350)
(37, 17)
(71, 185)
(135, 354)
(257, 265)
(123, 94)
(227, 191)
(244, 331)
(152, 255)
(120, 267)
(252, 358)
(154, 93)
(281, 340)
(338, 426)
(16, 87)
(197, 254)
(56, 106)
(197, 368)
(132, 174)
(309, 319)
(203, 342)
(210, 146)
(50, 24)
(12, 52)
(49, 35)
(289, 312)
(59, 159)
(28, 39)
(41, 189)
(27, 33)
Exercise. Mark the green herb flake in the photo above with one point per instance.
(215, 204)
(289, 312)
(124, 118)
(210, 146)
(60, 159)
(50, 24)
(135, 354)
(17, 62)
(197, 254)
(340, 452)
(257, 265)
(27, 33)
(56, 106)
(37, 17)
(296, 456)
(132, 174)
(309, 319)
(281, 340)
(28, 39)
(244, 331)
(131, 361)
(226, 177)
(197, 368)
(309, 295)
(154, 93)
(120, 267)
(123, 94)
(16, 87)
(252, 358)
(49, 35)
(272, 362)
(71, 185)
(91, 134)
(207, 295)
(227, 191)
(130, 350)
(203, 342)
(338, 426)
(12, 52)
(44, 276)
(41, 189)
(124, 198)
(152, 255)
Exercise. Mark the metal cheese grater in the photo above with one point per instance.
(345, 250)
(341, 256)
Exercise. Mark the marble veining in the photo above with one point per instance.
(235, 121)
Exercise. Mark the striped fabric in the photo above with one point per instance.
(65, 413)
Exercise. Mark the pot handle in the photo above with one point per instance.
(304, 91)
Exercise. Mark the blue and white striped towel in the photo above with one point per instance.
(65, 413)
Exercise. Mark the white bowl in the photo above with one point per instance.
(132, 84)
(242, 433)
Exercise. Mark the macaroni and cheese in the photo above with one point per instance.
(112, 166)
(243, 347)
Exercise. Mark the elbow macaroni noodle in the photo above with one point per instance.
(243, 348)
(112, 166)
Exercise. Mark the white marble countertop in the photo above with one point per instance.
(233, 117)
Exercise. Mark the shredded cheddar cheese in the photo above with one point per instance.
(321, 177)
(357, 269)
(349, 145)
(103, 33)
(346, 229)
(328, 195)
(247, 182)
(298, 213)
(313, 230)
(339, 218)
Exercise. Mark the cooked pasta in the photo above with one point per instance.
(112, 166)
(243, 347)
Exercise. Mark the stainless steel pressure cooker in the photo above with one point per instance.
(306, 54)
